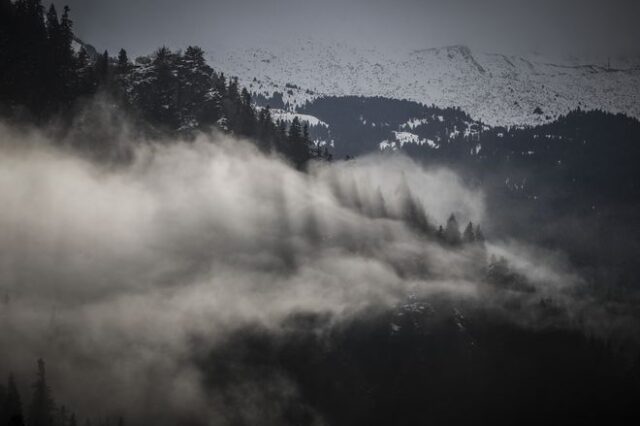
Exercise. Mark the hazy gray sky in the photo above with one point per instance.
(571, 25)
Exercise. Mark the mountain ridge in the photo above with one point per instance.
(497, 89)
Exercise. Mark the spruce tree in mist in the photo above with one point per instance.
(452, 231)
(468, 236)
(42, 407)
(294, 136)
(61, 416)
(299, 145)
(54, 79)
(123, 62)
(198, 103)
(102, 68)
(24, 67)
(11, 409)
(3, 398)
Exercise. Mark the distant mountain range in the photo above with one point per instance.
(496, 89)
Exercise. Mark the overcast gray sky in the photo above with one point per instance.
(570, 25)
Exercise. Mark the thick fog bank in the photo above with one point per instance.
(113, 273)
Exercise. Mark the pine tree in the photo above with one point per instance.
(247, 123)
(53, 79)
(198, 100)
(30, 62)
(3, 399)
(232, 89)
(266, 129)
(85, 81)
(7, 29)
(102, 68)
(306, 140)
(53, 26)
(294, 139)
(66, 33)
(413, 211)
(13, 405)
(156, 95)
(123, 62)
(468, 236)
(452, 231)
(220, 84)
(326, 155)
(65, 58)
(61, 417)
(42, 406)
(298, 145)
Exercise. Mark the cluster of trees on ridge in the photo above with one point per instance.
(47, 77)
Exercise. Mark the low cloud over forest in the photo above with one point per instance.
(120, 274)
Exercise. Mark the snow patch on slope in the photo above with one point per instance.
(401, 138)
(288, 117)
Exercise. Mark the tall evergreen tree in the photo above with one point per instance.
(65, 58)
(53, 25)
(452, 231)
(102, 68)
(66, 33)
(198, 100)
(29, 64)
(61, 416)
(3, 401)
(247, 124)
(468, 236)
(157, 94)
(298, 147)
(123, 62)
(42, 407)
(54, 80)
(13, 415)
(85, 80)
(7, 29)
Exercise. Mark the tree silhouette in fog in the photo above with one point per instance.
(42, 409)
(452, 231)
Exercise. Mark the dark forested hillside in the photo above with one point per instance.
(358, 125)
(425, 363)
(576, 178)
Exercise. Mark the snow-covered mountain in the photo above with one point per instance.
(497, 89)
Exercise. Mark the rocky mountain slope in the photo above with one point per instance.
(494, 88)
